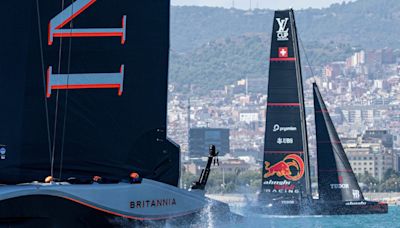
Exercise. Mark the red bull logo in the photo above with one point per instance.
(292, 168)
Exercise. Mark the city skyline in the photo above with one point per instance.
(262, 4)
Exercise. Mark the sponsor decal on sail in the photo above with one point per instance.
(3, 152)
(356, 203)
(281, 186)
(71, 12)
(339, 186)
(83, 80)
(283, 52)
(290, 190)
(271, 182)
(356, 194)
(277, 127)
(291, 168)
(138, 204)
(284, 141)
(283, 32)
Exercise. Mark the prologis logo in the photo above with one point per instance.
(279, 128)
(292, 168)
(283, 32)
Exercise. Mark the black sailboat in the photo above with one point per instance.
(286, 187)
(339, 192)
(83, 90)
(286, 179)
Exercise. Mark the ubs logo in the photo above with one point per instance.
(88, 80)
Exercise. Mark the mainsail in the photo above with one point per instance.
(336, 180)
(286, 163)
(83, 89)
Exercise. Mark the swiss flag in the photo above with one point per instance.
(283, 52)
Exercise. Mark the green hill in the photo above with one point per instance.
(225, 61)
(369, 23)
(213, 47)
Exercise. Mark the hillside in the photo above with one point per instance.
(224, 61)
(368, 23)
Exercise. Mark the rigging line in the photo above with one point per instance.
(57, 98)
(44, 79)
(308, 62)
(66, 98)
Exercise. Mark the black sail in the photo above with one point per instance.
(286, 162)
(87, 81)
(336, 180)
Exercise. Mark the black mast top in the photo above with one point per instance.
(336, 180)
(86, 81)
(286, 162)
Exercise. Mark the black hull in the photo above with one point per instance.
(322, 208)
(50, 211)
(340, 208)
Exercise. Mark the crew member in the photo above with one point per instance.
(135, 178)
(97, 179)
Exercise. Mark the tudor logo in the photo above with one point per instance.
(283, 32)
(339, 186)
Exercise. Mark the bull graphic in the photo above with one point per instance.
(292, 168)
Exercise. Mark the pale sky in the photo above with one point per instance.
(269, 4)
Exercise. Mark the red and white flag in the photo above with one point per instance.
(283, 52)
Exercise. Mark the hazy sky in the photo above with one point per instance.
(270, 4)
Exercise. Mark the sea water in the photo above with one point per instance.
(390, 220)
(250, 220)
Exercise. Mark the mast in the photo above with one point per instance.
(336, 180)
(286, 164)
(308, 192)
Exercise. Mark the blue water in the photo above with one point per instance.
(390, 220)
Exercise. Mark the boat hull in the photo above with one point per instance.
(347, 208)
(322, 208)
(99, 205)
